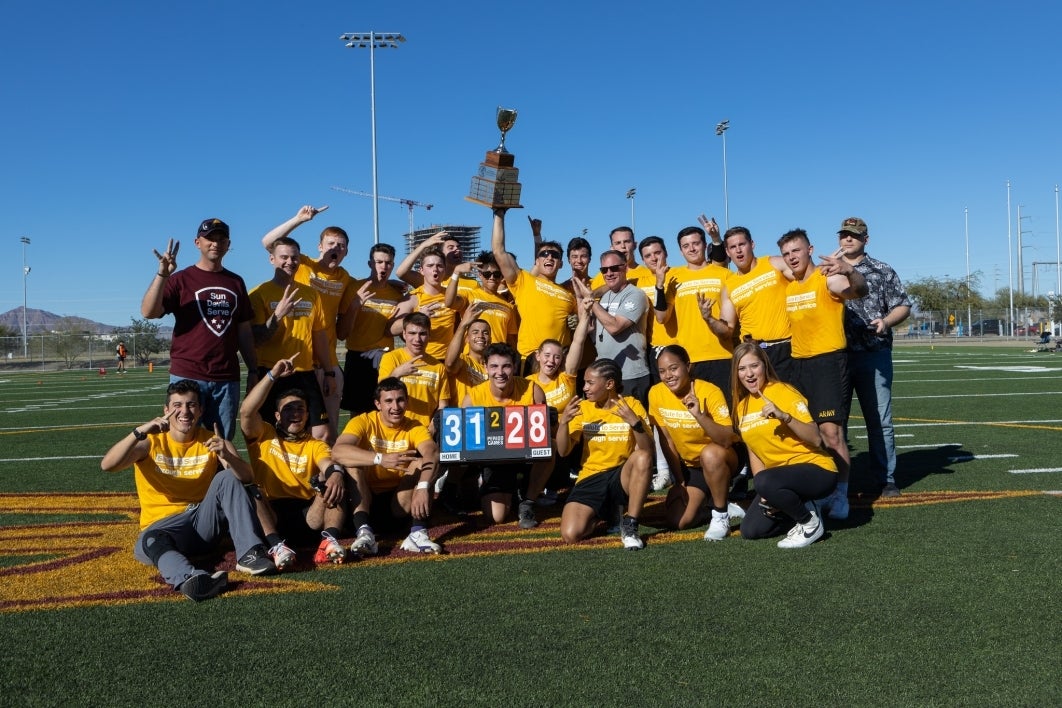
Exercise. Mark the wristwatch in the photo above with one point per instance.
(139, 435)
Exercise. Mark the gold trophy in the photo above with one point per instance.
(495, 184)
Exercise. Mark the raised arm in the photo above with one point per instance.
(405, 268)
(151, 306)
(250, 420)
(304, 214)
(506, 262)
(842, 278)
(129, 450)
(575, 351)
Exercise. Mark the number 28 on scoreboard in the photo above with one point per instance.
(509, 433)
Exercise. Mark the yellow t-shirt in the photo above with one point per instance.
(558, 391)
(816, 316)
(500, 314)
(442, 322)
(656, 334)
(371, 327)
(607, 438)
(469, 374)
(173, 475)
(692, 331)
(523, 395)
(425, 388)
(634, 275)
(667, 411)
(294, 333)
(759, 300)
(376, 436)
(333, 293)
(283, 468)
(771, 440)
(544, 307)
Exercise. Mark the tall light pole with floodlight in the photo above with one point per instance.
(25, 276)
(630, 195)
(373, 41)
(1010, 265)
(969, 306)
(720, 129)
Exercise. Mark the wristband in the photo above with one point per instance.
(378, 459)
(422, 485)
(269, 375)
(139, 434)
(661, 300)
(638, 427)
(330, 374)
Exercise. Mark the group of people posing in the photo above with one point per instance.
(689, 376)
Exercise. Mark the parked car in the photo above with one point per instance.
(983, 327)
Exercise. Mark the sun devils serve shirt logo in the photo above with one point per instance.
(216, 306)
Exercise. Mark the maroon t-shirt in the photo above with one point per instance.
(207, 306)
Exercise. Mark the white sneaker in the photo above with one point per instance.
(365, 543)
(718, 528)
(419, 542)
(838, 503)
(735, 512)
(661, 481)
(803, 534)
(629, 534)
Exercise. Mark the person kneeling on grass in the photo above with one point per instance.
(790, 466)
(190, 486)
(693, 420)
(392, 460)
(617, 452)
(293, 470)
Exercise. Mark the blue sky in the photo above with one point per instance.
(126, 123)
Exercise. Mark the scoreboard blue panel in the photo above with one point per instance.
(510, 433)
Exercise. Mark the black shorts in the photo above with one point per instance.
(822, 379)
(780, 354)
(360, 376)
(602, 492)
(694, 477)
(502, 479)
(305, 381)
(716, 371)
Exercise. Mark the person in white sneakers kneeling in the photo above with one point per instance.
(693, 421)
(398, 460)
(789, 464)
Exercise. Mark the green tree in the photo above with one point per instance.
(71, 340)
(142, 339)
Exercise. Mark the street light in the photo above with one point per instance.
(373, 40)
(720, 129)
(630, 195)
(25, 274)
(1010, 266)
(969, 306)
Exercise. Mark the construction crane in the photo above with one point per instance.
(409, 203)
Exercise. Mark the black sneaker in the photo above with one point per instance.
(256, 562)
(203, 586)
(890, 491)
(527, 514)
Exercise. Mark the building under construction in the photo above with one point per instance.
(467, 236)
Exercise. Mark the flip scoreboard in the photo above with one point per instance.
(494, 433)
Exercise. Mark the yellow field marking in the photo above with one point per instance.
(1025, 426)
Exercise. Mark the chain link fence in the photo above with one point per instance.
(985, 323)
(70, 350)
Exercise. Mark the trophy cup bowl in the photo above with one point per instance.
(506, 121)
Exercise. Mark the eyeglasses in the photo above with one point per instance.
(555, 255)
(612, 268)
(490, 274)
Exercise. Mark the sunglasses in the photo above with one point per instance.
(612, 268)
(490, 274)
(555, 255)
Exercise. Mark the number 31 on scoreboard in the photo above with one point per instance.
(509, 433)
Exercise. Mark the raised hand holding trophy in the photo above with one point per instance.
(495, 184)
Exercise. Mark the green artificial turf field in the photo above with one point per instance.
(948, 595)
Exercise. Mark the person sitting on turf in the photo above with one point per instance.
(693, 421)
(789, 463)
(190, 486)
(505, 387)
(293, 470)
(617, 453)
(397, 460)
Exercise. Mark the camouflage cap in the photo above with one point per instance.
(853, 225)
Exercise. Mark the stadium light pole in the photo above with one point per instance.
(25, 276)
(373, 41)
(1058, 249)
(1010, 266)
(720, 129)
(969, 307)
(630, 195)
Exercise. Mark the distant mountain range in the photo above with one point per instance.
(42, 321)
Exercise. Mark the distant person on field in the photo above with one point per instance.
(868, 323)
(121, 352)
(212, 322)
(190, 486)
